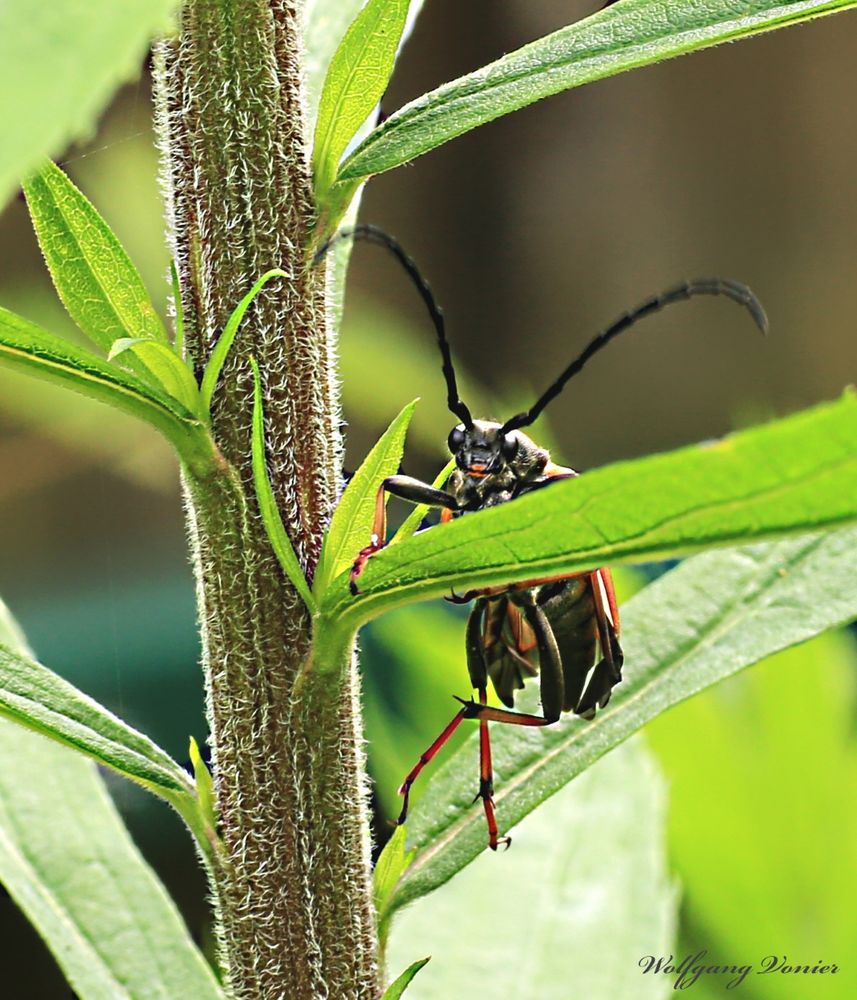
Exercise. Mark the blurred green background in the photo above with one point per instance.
(535, 231)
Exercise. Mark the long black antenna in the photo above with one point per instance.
(700, 286)
(373, 234)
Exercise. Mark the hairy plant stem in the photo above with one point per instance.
(292, 892)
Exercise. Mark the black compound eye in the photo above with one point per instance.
(509, 446)
(455, 439)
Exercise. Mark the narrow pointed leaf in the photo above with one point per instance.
(99, 286)
(794, 474)
(277, 534)
(68, 862)
(325, 24)
(223, 345)
(356, 81)
(391, 865)
(705, 620)
(351, 524)
(204, 786)
(623, 36)
(29, 348)
(36, 697)
(402, 982)
(169, 371)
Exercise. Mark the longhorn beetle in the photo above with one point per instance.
(565, 628)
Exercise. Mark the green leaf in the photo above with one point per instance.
(169, 371)
(402, 982)
(757, 767)
(223, 345)
(69, 864)
(705, 620)
(355, 82)
(99, 286)
(59, 66)
(204, 786)
(27, 347)
(353, 519)
(280, 541)
(629, 34)
(391, 865)
(36, 697)
(795, 474)
(583, 893)
(325, 22)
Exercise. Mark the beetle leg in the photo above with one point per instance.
(550, 662)
(608, 671)
(486, 713)
(426, 758)
(405, 488)
(478, 670)
(486, 780)
(479, 678)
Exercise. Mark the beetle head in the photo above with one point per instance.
(484, 448)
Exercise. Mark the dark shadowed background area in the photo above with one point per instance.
(535, 231)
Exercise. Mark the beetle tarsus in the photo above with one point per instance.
(363, 557)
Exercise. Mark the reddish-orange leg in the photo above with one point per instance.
(484, 713)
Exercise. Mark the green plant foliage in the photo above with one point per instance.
(93, 275)
(325, 23)
(356, 81)
(705, 620)
(794, 474)
(277, 534)
(204, 786)
(223, 345)
(40, 699)
(170, 372)
(391, 865)
(352, 520)
(761, 771)
(623, 36)
(59, 65)
(581, 895)
(69, 864)
(29, 348)
(401, 983)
